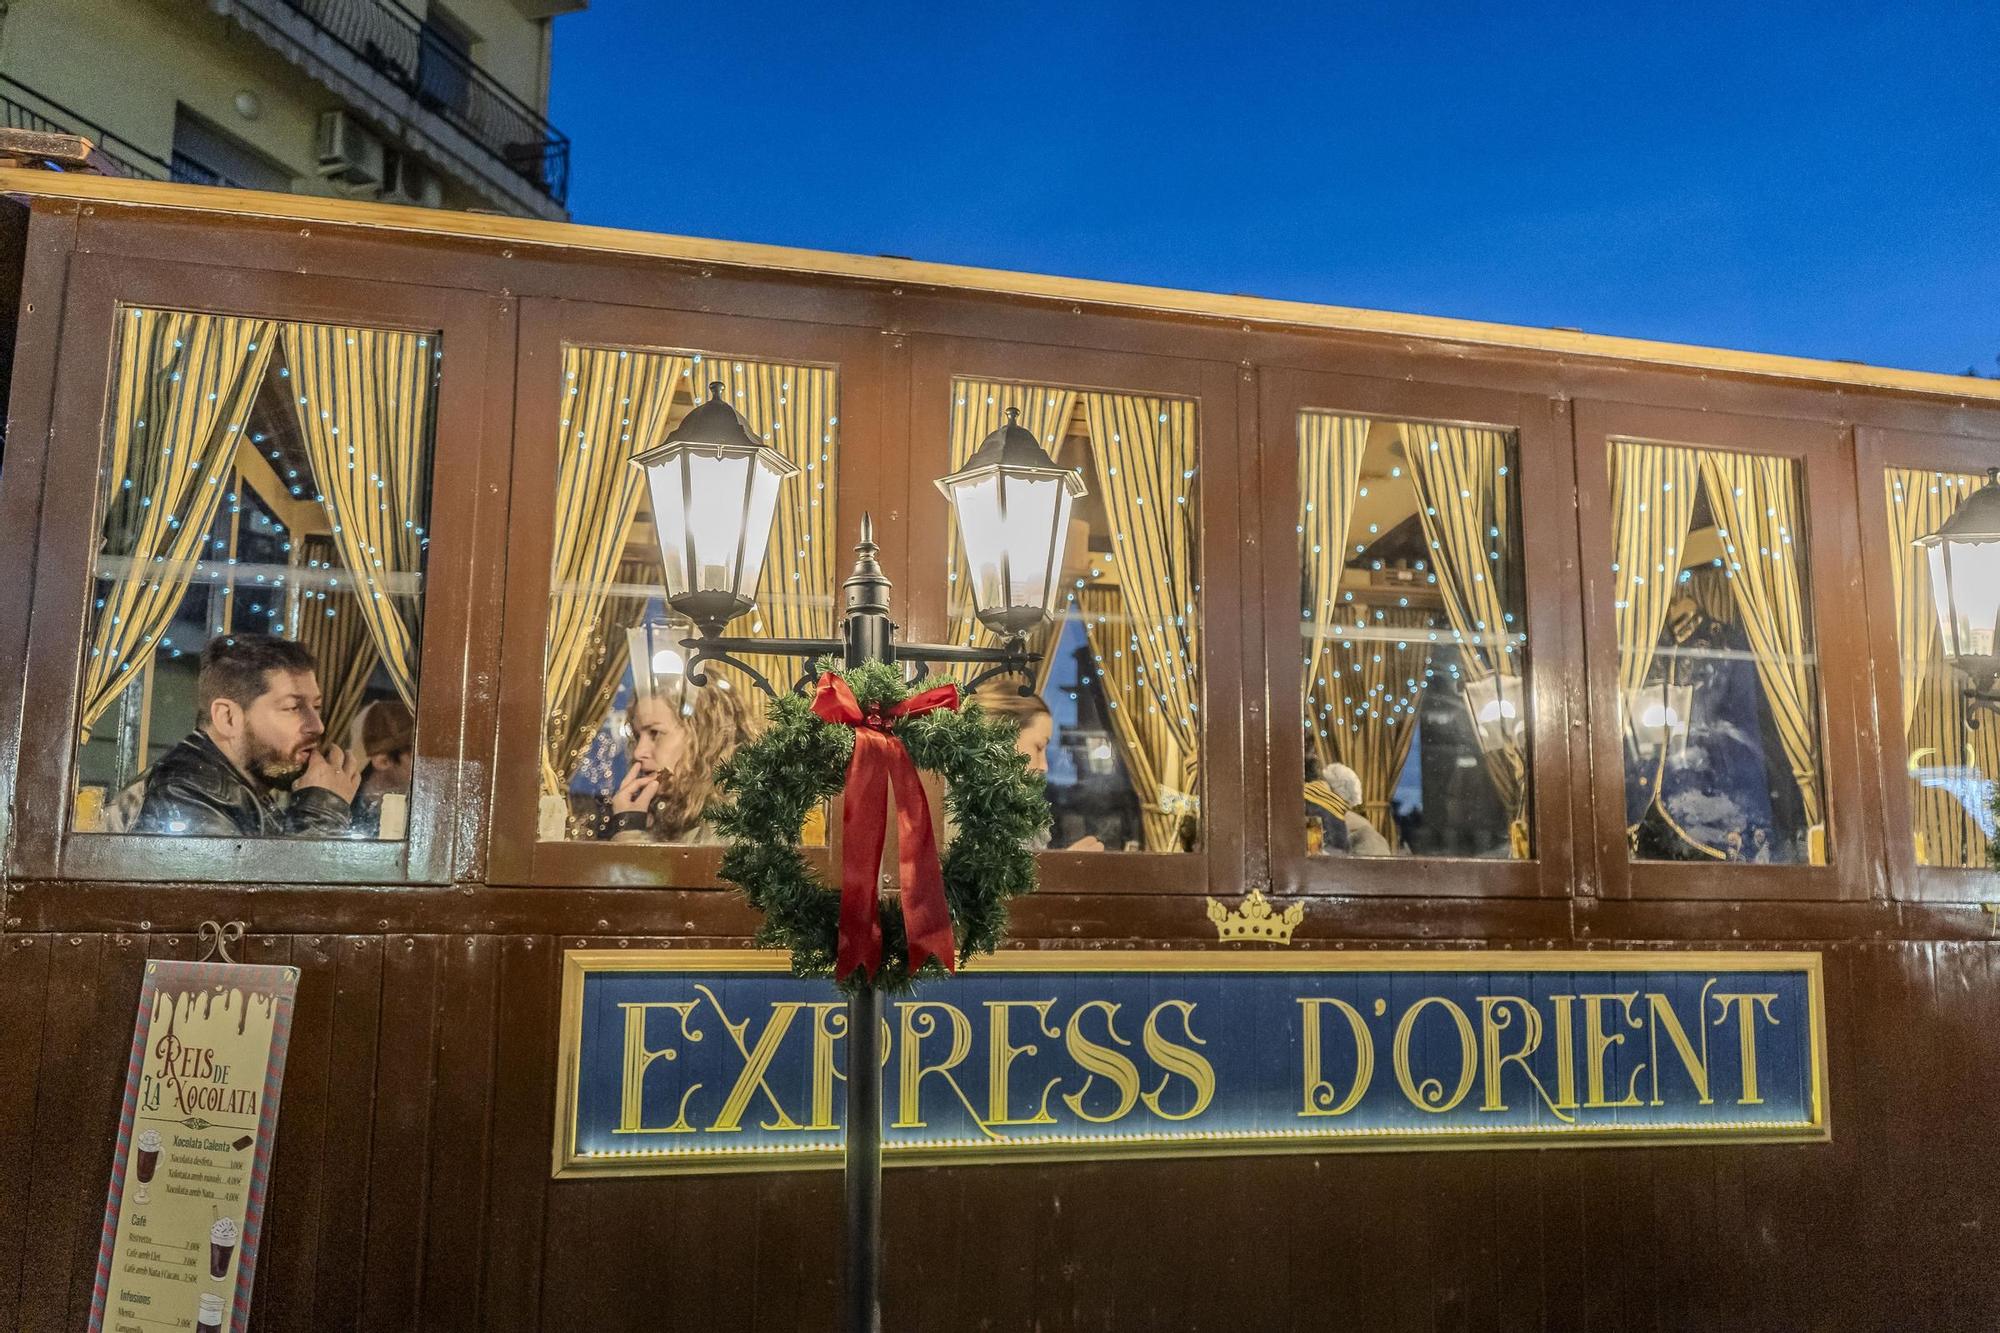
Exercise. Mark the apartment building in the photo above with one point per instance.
(406, 101)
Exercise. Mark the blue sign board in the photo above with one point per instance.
(684, 1060)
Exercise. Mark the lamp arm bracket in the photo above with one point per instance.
(1010, 659)
(725, 650)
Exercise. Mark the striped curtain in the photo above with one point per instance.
(1159, 769)
(1330, 452)
(364, 399)
(615, 404)
(1143, 449)
(1653, 489)
(1755, 502)
(330, 622)
(1362, 702)
(1957, 759)
(795, 410)
(978, 407)
(179, 404)
(1463, 503)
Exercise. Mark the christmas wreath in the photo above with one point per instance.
(862, 733)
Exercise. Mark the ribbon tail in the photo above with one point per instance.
(926, 915)
(864, 828)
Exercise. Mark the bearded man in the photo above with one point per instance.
(254, 766)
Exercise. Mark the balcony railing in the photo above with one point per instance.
(396, 44)
(22, 108)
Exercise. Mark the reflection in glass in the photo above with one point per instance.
(1130, 591)
(631, 745)
(1415, 640)
(1952, 763)
(251, 667)
(1717, 679)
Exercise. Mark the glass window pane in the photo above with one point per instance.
(252, 653)
(1413, 637)
(1717, 677)
(1952, 761)
(630, 744)
(1114, 717)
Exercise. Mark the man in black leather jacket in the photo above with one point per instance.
(253, 767)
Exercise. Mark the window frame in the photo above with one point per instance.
(1226, 672)
(1548, 554)
(1823, 452)
(444, 800)
(518, 856)
(1876, 450)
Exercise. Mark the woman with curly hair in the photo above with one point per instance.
(678, 742)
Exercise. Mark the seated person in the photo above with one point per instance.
(1034, 729)
(387, 733)
(254, 766)
(676, 748)
(1363, 838)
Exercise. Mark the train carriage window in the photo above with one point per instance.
(1413, 640)
(1718, 680)
(630, 742)
(251, 666)
(1954, 755)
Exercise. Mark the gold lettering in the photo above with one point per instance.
(638, 1058)
(919, 1023)
(1494, 1019)
(756, 1063)
(1659, 1011)
(1320, 1096)
(824, 1070)
(1001, 1058)
(1595, 1044)
(1177, 1059)
(1565, 1053)
(1746, 1035)
(1429, 1094)
(1100, 1062)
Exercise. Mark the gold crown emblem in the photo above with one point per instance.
(1256, 920)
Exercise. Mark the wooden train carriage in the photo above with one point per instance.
(1500, 550)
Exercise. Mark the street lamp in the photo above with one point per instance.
(1965, 583)
(1013, 505)
(715, 493)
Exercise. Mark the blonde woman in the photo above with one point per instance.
(1034, 728)
(677, 744)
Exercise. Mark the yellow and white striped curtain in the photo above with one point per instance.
(364, 399)
(1755, 501)
(615, 403)
(331, 625)
(180, 402)
(978, 408)
(1156, 763)
(1934, 723)
(1653, 488)
(1462, 500)
(795, 410)
(1143, 450)
(1330, 452)
(1363, 699)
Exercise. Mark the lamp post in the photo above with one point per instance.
(715, 489)
(1965, 583)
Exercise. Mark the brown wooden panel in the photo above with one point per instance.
(461, 1116)
(399, 1193)
(61, 1184)
(523, 1102)
(349, 1141)
(120, 974)
(24, 979)
(288, 1254)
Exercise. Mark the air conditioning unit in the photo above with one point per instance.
(408, 181)
(348, 151)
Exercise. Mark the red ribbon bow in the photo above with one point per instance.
(880, 761)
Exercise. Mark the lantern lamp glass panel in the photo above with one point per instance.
(1965, 584)
(717, 509)
(1014, 528)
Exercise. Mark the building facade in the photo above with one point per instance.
(425, 103)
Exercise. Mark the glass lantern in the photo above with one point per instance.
(1965, 581)
(1013, 507)
(715, 493)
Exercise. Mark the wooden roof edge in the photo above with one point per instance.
(21, 183)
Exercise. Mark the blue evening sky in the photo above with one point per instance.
(1820, 180)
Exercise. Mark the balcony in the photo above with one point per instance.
(409, 77)
(22, 108)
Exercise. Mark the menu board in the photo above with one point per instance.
(179, 1249)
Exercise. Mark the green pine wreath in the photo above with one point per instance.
(770, 786)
